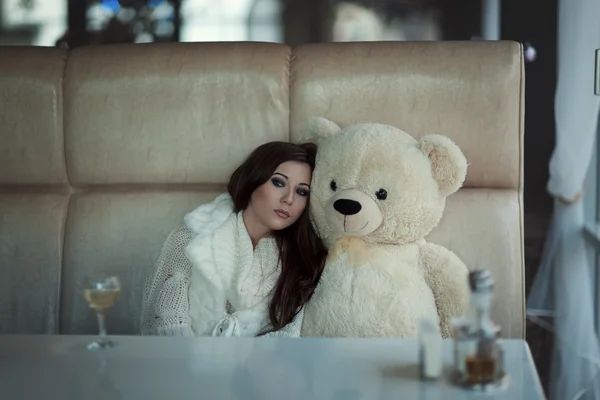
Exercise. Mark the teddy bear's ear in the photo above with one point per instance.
(448, 163)
(319, 128)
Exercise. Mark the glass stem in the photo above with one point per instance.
(102, 325)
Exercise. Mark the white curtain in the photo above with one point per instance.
(562, 295)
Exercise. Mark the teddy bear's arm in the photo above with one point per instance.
(447, 276)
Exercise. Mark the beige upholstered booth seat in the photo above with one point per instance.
(104, 149)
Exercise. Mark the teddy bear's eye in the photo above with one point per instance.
(333, 186)
(381, 194)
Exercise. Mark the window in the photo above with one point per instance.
(592, 208)
(231, 20)
(46, 20)
(134, 21)
(385, 20)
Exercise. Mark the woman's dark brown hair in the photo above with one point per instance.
(301, 251)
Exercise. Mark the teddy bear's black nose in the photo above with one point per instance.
(347, 207)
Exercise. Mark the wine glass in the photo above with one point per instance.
(101, 293)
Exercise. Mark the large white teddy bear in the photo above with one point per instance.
(376, 193)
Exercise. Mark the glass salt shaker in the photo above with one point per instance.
(478, 352)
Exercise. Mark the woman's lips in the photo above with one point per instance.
(282, 214)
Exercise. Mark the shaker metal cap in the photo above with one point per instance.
(481, 280)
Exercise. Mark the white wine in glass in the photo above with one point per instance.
(101, 293)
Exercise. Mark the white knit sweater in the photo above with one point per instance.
(208, 280)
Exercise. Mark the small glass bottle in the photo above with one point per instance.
(478, 353)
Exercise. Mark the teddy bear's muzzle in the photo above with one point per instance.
(356, 214)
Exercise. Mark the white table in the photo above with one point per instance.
(60, 367)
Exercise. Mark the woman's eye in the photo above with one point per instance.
(277, 182)
(303, 192)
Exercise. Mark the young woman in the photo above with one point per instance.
(246, 263)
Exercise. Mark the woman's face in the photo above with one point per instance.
(280, 201)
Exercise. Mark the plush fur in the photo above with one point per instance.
(375, 195)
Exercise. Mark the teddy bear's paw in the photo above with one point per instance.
(352, 250)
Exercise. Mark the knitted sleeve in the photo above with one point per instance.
(291, 330)
(165, 301)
